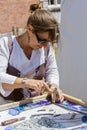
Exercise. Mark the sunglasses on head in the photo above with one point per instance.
(41, 41)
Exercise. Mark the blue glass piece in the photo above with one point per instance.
(16, 110)
(21, 107)
(83, 128)
(84, 119)
(8, 128)
(13, 111)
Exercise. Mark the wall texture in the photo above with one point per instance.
(14, 13)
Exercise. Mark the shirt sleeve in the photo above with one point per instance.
(52, 74)
(4, 58)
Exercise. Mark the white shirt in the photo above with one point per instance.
(27, 67)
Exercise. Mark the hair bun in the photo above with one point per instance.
(34, 7)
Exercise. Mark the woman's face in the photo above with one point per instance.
(38, 40)
(42, 40)
(43, 37)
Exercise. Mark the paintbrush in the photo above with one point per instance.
(10, 121)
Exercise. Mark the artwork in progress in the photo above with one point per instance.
(51, 121)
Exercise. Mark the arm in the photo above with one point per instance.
(52, 74)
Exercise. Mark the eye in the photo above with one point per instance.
(42, 40)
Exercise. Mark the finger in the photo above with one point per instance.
(60, 96)
(36, 88)
(38, 85)
(47, 88)
(61, 99)
(42, 89)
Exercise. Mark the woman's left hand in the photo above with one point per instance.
(56, 95)
(59, 95)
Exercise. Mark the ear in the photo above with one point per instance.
(30, 27)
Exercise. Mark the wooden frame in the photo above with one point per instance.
(75, 100)
(38, 98)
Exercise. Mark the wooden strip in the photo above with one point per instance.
(14, 104)
(38, 98)
(75, 100)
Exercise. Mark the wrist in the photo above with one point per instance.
(24, 80)
(52, 86)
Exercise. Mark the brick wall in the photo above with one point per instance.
(14, 13)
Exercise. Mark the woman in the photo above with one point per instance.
(27, 62)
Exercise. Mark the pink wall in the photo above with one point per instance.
(14, 13)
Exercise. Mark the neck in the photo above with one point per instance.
(23, 41)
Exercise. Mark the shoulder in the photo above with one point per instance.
(3, 41)
(4, 50)
(4, 47)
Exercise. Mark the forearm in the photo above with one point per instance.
(30, 83)
(17, 84)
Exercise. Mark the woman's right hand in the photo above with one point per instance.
(37, 85)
